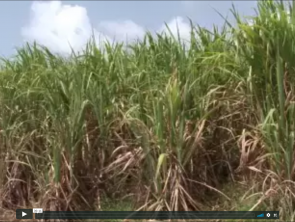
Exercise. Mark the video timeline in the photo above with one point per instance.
(38, 213)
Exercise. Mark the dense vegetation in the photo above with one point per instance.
(164, 125)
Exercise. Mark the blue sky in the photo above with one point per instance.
(61, 24)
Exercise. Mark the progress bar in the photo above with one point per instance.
(157, 215)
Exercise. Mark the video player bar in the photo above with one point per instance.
(157, 215)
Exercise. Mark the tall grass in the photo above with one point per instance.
(167, 122)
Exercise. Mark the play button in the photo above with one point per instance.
(24, 214)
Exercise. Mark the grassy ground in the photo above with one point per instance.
(207, 125)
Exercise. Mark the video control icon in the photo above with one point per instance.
(260, 215)
(24, 214)
(37, 210)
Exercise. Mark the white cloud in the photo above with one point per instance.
(122, 30)
(61, 26)
(178, 26)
